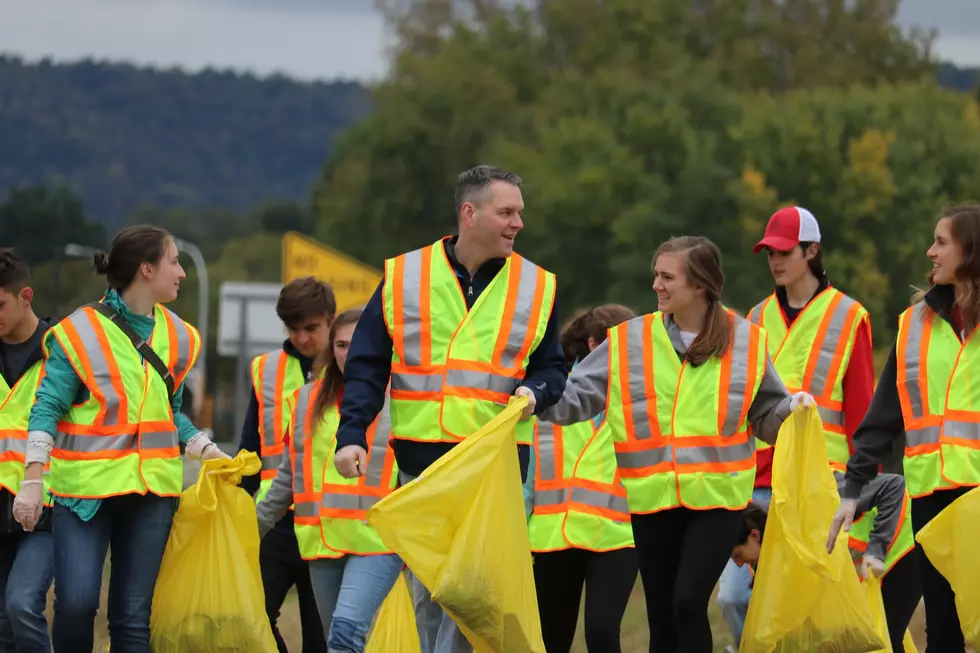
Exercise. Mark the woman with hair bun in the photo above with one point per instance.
(580, 525)
(108, 418)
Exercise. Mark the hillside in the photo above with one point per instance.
(123, 137)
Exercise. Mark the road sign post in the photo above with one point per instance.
(353, 282)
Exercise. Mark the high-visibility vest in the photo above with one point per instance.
(15, 413)
(941, 413)
(276, 376)
(454, 370)
(903, 542)
(122, 438)
(812, 356)
(579, 501)
(331, 511)
(681, 432)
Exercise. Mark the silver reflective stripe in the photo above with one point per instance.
(299, 427)
(131, 442)
(523, 307)
(306, 509)
(636, 403)
(961, 430)
(828, 347)
(416, 382)
(339, 501)
(738, 379)
(480, 381)
(100, 367)
(913, 352)
(379, 447)
(546, 452)
(15, 445)
(411, 317)
(685, 455)
(594, 498)
(272, 462)
(645, 458)
(924, 435)
(755, 315)
(270, 372)
(831, 417)
(183, 344)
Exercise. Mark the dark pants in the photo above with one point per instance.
(682, 553)
(943, 632)
(608, 577)
(282, 567)
(26, 572)
(136, 529)
(901, 591)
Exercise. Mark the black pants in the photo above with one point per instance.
(901, 590)
(281, 569)
(682, 553)
(943, 631)
(608, 576)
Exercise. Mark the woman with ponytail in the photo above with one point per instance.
(680, 388)
(108, 417)
(580, 525)
(350, 567)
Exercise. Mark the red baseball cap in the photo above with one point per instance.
(787, 228)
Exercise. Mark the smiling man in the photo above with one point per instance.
(458, 327)
(306, 307)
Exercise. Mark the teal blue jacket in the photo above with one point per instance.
(61, 388)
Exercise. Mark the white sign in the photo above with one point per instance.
(247, 313)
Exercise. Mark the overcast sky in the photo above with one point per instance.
(308, 39)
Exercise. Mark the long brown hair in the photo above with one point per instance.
(964, 225)
(593, 323)
(702, 260)
(326, 367)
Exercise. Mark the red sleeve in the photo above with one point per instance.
(859, 382)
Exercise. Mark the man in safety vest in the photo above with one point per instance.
(26, 559)
(306, 307)
(820, 342)
(457, 327)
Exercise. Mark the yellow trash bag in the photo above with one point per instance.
(209, 596)
(872, 592)
(460, 527)
(804, 599)
(395, 630)
(950, 543)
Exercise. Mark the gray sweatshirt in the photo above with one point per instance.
(886, 492)
(585, 392)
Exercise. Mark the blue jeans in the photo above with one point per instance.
(26, 572)
(136, 529)
(349, 591)
(734, 586)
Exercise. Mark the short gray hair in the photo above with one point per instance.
(476, 181)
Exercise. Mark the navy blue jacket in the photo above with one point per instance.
(368, 370)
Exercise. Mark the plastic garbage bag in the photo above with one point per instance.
(950, 543)
(461, 528)
(872, 592)
(395, 630)
(209, 596)
(804, 599)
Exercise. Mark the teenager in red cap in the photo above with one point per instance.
(820, 343)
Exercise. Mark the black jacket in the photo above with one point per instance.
(7, 522)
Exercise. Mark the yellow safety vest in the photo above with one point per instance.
(454, 370)
(331, 511)
(903, 542)
(276, 376)
(122, 439)
(812, 356)
(941, 414)
(681, 432)
(579, 501)
(15, 412)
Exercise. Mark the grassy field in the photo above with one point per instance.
(635, 637)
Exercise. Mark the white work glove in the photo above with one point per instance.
(524, 391)
(843, 519)
(801, 400)
(871, 564)
(28, 503)
(200, 447)
(351, 461)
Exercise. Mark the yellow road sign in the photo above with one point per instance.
(353, 282)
